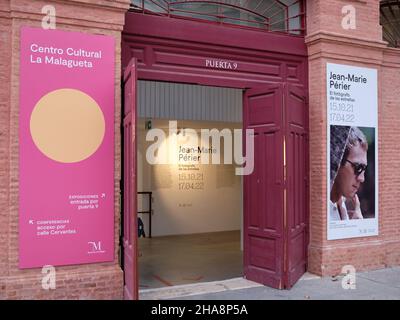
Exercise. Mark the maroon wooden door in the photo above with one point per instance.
(263, 189)
(296, 116)
(177, 51)
(131, 284)
(276, 194)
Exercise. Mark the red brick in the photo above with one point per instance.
(76, 15)
(328, 42)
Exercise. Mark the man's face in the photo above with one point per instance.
(348, 182)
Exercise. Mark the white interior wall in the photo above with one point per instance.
(218, 206)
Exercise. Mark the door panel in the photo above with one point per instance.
(129, 206)
(276, 193)
(275, 232)
(297, 182)
(263, 192)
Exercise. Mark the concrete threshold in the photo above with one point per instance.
(195, 289)
(205, 287)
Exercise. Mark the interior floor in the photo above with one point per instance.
(184, 259)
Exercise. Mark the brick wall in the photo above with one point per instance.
(91, 281)
(5, 73)
(327, 41)
(326, 17)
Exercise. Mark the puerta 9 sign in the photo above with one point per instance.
(352, 157)
(66, 155)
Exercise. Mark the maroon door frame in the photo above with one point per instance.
(177, 51)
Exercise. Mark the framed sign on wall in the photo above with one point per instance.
(352, 161)
(66, 135)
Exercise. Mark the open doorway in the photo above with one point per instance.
(273, 82)
(189, 209)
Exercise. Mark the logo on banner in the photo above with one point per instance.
(95, 247)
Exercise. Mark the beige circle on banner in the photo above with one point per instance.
(67, 125)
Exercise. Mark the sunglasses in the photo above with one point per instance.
(358, 167)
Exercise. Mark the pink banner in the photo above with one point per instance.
(66, 135)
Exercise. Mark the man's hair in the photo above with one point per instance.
(356, 137)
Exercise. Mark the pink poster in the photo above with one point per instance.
(66, 135)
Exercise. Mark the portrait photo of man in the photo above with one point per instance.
(351, 173)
